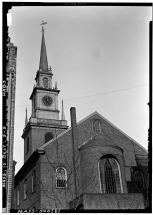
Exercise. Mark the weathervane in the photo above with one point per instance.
(43, 23)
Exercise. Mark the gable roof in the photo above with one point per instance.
(88, 117)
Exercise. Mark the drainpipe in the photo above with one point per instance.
(74, 145)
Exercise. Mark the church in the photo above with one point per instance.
(90, 165)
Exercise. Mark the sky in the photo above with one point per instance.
(99, 57)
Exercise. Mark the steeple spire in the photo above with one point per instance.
(26, 118)
(62, 115)
(43, 65)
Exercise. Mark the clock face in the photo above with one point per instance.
(47, 100)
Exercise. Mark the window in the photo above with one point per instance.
(33, 181)
(18, 196)
(12, 53)
(45, 82)
(96, 125)
(25, 189)
(61, 177)
(110, 176)
(48, 136)
(27, 145)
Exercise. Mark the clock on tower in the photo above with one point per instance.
(47, 100)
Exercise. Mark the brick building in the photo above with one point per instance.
(91, 165)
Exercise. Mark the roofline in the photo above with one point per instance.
(122, 132)
(64, 132)
(84, 119)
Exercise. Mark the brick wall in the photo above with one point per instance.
(113, 201)
(58, 153)
(111, 141)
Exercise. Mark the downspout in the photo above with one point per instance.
(74, 146)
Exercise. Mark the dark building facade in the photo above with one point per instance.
(91, 165)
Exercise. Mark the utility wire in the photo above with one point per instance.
(97, 94)
(106, 93)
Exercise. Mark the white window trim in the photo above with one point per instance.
(119, 175)
(119, 169)
(25, 189)
(65, 178)
(99, 176)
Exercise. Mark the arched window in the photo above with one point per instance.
(96, 125)
(33, 181)
(25, 189)
(110, 175)
(48, 136)
(61, 177)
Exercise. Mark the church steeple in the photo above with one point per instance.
(43, 65)
(44, 118)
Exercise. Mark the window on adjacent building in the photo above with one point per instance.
(110, 175)
(61, 177)
(48, 136)
(96, 125)
(33, 181)
(25, 189)
(27, 149)
(18, 196)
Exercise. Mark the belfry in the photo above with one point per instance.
(44, 123)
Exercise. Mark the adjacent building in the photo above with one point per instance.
(11, 89)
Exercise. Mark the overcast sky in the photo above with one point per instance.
(99, 56)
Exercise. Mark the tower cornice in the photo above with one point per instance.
(45, 123)
(43, 89)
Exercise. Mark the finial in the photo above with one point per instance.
(50, 68)
(43, 23)
(55, 85)
(62, 115)
(26, 118)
